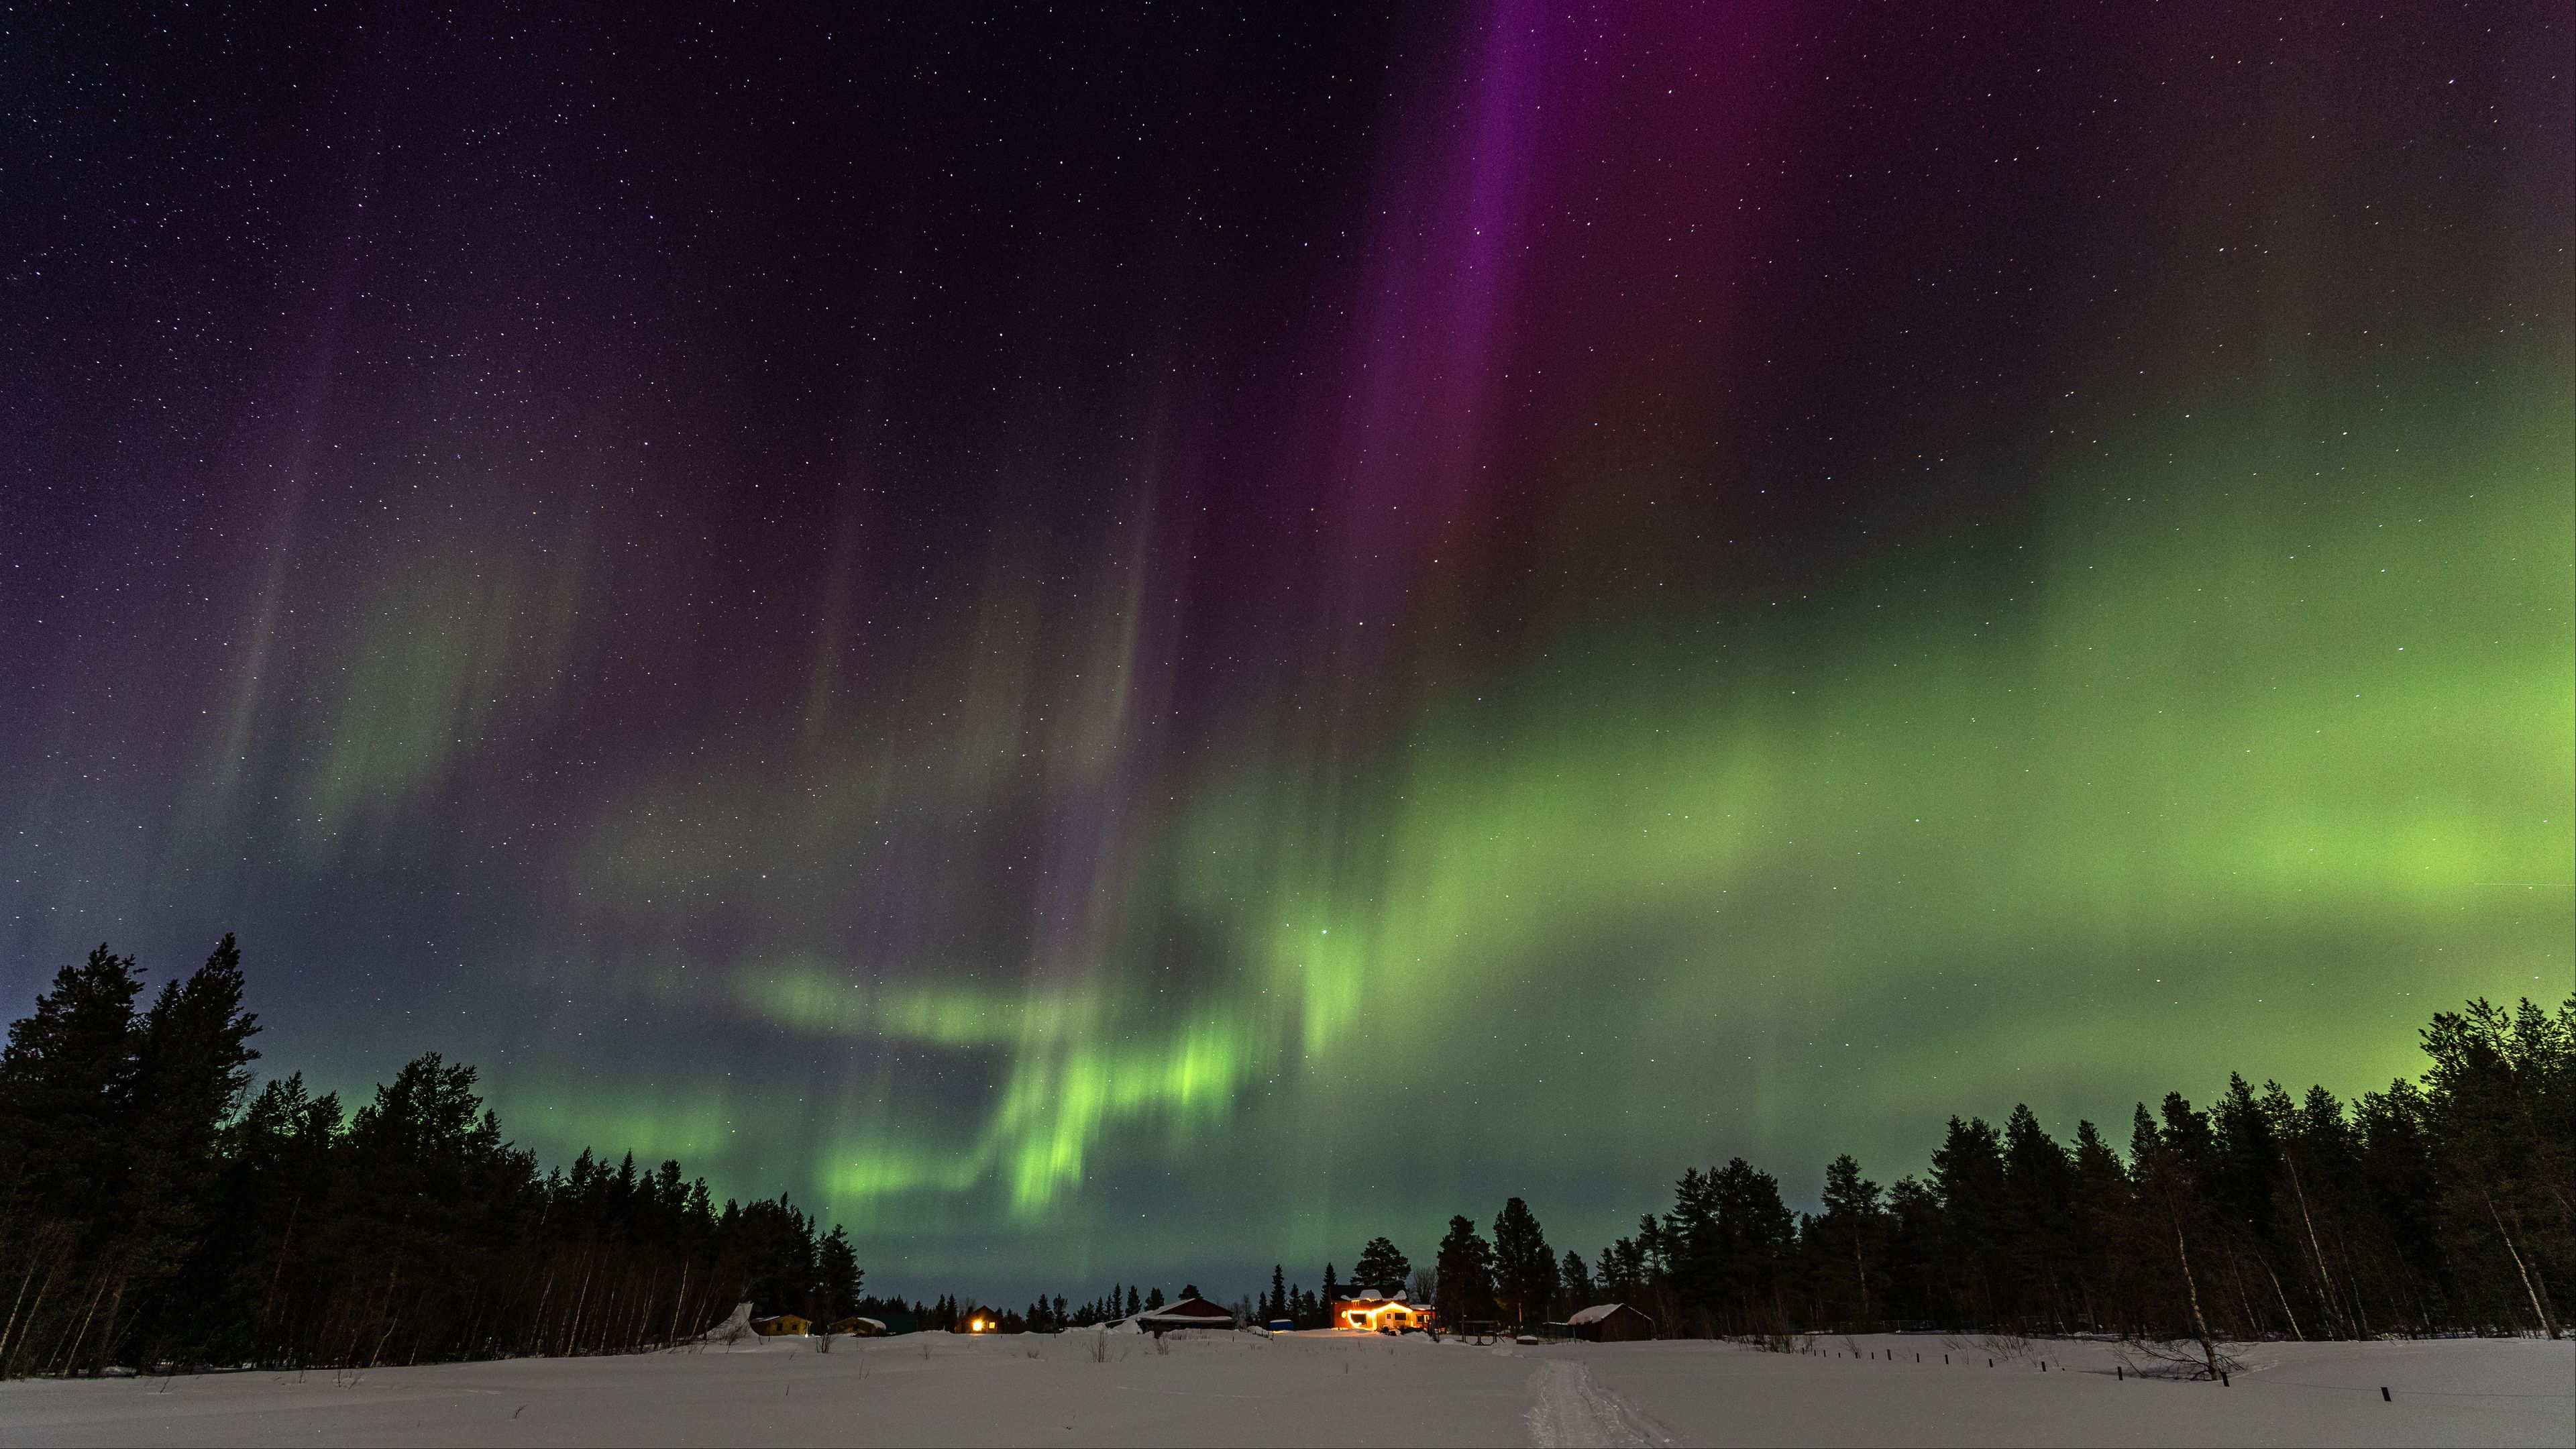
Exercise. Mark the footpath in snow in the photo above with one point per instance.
(1324, 1388)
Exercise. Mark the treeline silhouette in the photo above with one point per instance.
(152, 1210)
(2428, 1207)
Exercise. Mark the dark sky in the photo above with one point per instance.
(1138, 643)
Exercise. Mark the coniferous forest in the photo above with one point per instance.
(156, 1210)
(2434, 1206)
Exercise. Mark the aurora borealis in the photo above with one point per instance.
(1134, 645)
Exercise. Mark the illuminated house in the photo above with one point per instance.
(1372, 1308)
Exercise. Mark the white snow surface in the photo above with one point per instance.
(1343, 1388)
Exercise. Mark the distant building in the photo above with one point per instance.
(1187, 1313)
(858, 1327)
(1611, 1323)
(1377, 1308)
(782, 1325)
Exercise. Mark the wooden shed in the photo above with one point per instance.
(782, 1325)
(1611, 1323)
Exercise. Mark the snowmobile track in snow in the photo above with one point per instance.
(1573, 1412)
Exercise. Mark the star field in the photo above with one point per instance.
(1137, 644)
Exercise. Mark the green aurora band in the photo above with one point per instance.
(2252, 782)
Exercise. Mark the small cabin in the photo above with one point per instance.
(858, 1327)
(1376, 1308)
(782, 1325)
(1611, 1323)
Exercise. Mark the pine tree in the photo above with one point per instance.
(1381, 1266)
(191, 1068)
(2499, 1097)
(67, 1069)
(1968, 1174)
(1622, 1271)
(1851, 1221)
(2168, 1188)
(2038, 1211)
(2103, 1209)
(1466, 1266)
(1524, 1265)
(837, 1266)
(2248, 1176)
(1575, 1288)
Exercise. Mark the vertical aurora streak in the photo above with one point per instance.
(1175, 643)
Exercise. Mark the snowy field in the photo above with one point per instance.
(1326, 1388)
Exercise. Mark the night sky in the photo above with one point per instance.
(1129, 645)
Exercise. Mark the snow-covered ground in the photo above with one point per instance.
(1344, 1389)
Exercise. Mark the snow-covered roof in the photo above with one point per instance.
(1595, 1313)
(1188, 1308)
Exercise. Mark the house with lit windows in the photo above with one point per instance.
(1374, 1308)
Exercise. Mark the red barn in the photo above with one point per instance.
(1187, 1313)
